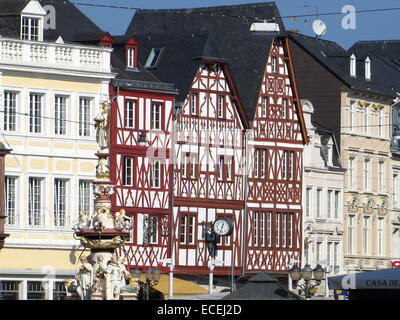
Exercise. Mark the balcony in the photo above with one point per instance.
(50, 55)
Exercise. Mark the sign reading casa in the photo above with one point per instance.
(383, 283)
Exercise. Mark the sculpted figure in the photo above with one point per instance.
(84, 279)
(101, 125)
(114, 279)
(122, 221)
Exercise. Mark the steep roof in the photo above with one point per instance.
(221, 32)
(337, 60)
(71, 23)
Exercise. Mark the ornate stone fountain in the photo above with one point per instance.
(102, 275)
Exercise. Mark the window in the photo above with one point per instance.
(350, 234)
(30, 29)
(284, 225)
(187, 229)
(84, 196)
(319, 203)
(9, 290)
(274, 67)
(10, 201)
(185, 163)
(367, 185)
(395, 188)
(221, 106)
(128, 171)
(221, 168)
(336, 204)
(336, 257)
(256, 162)
(156, 116)
(351, 115)
(262, 163)
(366, 123)
(308, 201)
(10, 110)
(381, 176)
(278, 229)
(269, 229)
(129, 114)
(353, 65)
(366, 235)
(380, 237)
(60, 203)
(367, 69)
(259, 229)
(84, 117)
(380, 123)
(229, 168)
(329, 204)
(318, 251)
(352, 173)
(60, 115)
(288, 165)
(290, 234)
(156, 174)
(58, 290)
(35, 113)
(264, 107)
(35, 202)
(131, 58)
(329, 257)
(153, 229)
(36, 290)
(153, 58)
(193, 165)
(193, 103)
(284, 108)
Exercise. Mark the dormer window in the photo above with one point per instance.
(153, 58)
(367, 69)
(32, 17)
(131, 56)
(30, 29)
(353, 65)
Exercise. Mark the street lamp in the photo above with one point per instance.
(307, 274)
(152, 277)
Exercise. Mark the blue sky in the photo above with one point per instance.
(384, 25)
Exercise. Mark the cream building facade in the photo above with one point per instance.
(365, 151)
(50, 93)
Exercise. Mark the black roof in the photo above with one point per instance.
(71, 23)
(384, 75)
(221, 33)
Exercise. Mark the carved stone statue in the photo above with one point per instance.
(115, 275)
(101, 125)
(122, 221)
(84, 279)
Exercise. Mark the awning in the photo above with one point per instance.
(181, 287)
(382, 279)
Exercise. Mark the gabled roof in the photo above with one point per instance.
(226, 35)
(337, 60)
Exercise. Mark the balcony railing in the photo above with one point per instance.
(54, 55)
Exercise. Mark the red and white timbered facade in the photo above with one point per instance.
(142, 170)
(208, 175)
(275, 148)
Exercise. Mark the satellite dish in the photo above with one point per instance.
(319, 27)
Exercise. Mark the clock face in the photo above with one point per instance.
(223, 227)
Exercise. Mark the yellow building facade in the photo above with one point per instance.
(365, 152)
(50, 94)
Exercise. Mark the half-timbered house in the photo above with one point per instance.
(141, 127)
(240, 81)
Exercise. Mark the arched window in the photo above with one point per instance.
(353, 65)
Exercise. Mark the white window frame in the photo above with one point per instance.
(381, 176)
(156, 173)
(11, 200)
(60, 205)
(27, 30)
(367, 174)
(36, 111)
(35, 202)
(131, 57)
(319, 203)
(60, 114)
(193, 103)
(10, 104)
(84, 196)
(156, 110)
(351, 235)
(368, 68)
(128, 171)
(84, 113)
(264, 107)
(352, 172)
(129, 114)
(308, 201)
(381, 236)
(221, 106)
(366, 236)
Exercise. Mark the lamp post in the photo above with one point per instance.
(152, 277)
(307, 275)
